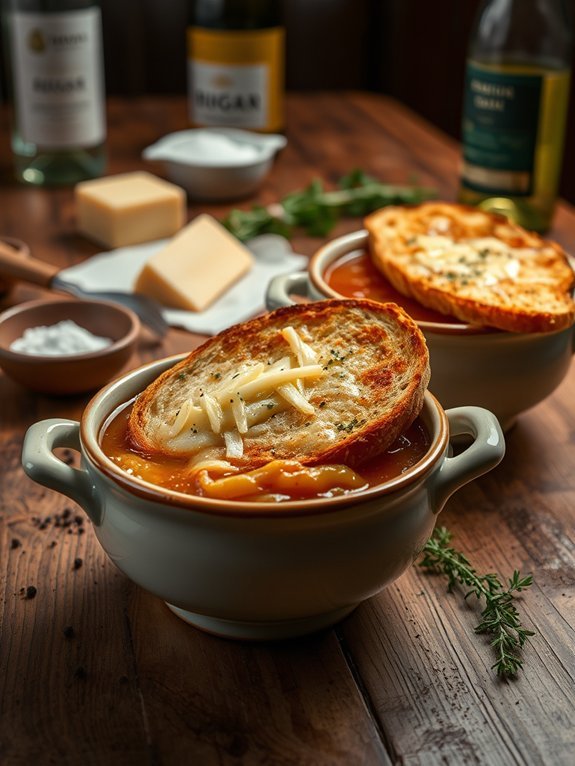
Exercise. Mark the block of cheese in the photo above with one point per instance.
(199, 264)
(129, 208)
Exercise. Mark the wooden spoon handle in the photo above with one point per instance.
(25, 269)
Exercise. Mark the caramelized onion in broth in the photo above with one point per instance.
(278, 481)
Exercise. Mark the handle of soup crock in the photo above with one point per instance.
(41, 464)
(282, 287)
(484, 453)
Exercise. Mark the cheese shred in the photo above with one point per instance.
(249, 396)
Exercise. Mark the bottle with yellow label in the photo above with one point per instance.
(236, 64)
(515, 108)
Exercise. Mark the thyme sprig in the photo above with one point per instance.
(317, 211)
(500, 618)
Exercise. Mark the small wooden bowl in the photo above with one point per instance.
(74, 373)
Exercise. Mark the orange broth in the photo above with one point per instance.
(353, 275)
(172, 472)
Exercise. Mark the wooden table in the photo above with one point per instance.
(93, 670)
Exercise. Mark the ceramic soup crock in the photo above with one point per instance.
(504, 372)
(258, 570)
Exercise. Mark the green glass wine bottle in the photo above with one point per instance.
(515, 109)
(54, 56)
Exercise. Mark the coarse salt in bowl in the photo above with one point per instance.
(208, 147)
(65, 338)
(73, 358)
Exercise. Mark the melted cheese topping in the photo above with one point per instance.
(247, 397)
(483, 261)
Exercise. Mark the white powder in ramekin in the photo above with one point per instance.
(62, 339)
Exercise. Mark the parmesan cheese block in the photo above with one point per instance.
(196, 266)
(129, 208)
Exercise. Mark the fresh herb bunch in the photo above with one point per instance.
(499, 618)
(317, 210)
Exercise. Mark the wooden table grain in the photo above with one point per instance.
(93, 670)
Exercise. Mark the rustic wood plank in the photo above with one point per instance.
(213, 701)
(66, 666)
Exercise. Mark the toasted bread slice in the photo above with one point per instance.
(474, 265)
(330, 382)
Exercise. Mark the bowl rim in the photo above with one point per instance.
(267, 144)
(91, 425)
(116, 346)
(346, 244)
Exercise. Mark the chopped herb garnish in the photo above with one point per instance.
(349, 426)
(317, 210)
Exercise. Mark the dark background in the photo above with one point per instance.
(413, 50)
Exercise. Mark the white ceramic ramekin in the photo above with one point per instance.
(258, 570)
(213, 178)
(504, 372)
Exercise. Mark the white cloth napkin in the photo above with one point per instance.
(118, 270)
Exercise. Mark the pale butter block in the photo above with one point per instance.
(199, 264)
(129, 208)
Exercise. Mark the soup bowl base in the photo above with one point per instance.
(273, 630)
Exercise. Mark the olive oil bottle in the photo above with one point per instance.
(515, 109)
(236, 64)
(54, 52)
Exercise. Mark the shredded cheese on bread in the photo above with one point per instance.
(314, 383)
(224, 409)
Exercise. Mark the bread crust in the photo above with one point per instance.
(375, 372)
(473, 265)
